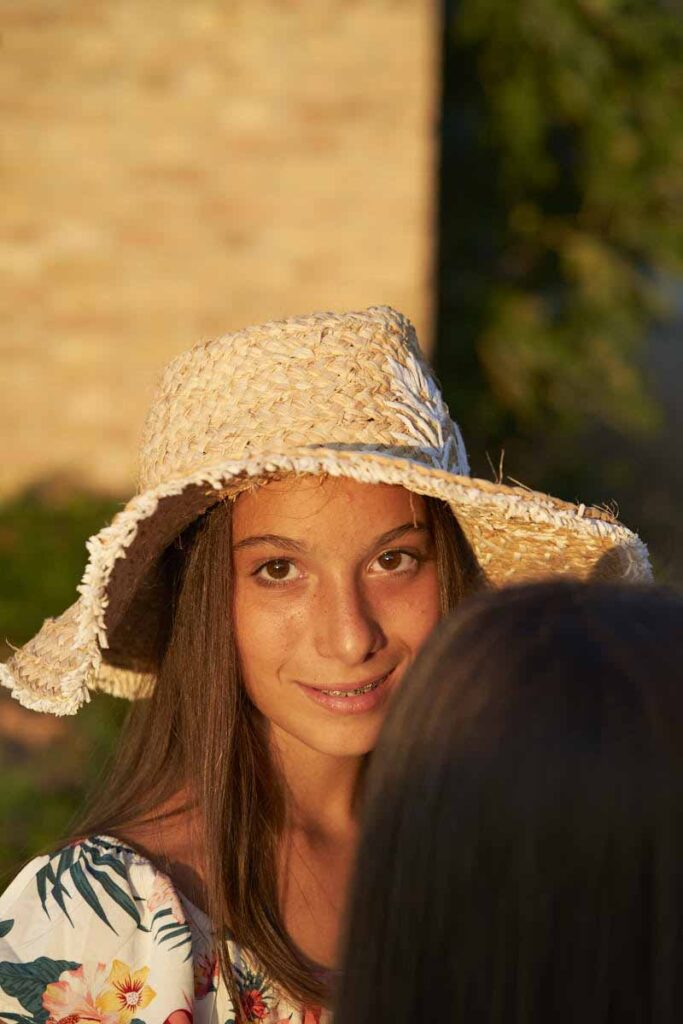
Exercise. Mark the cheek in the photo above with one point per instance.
(266, 633)
(413, 619)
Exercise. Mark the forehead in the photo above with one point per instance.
(299, 503)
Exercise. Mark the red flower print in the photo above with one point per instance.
(179, 1017)
(205, 975)
(312, 1015)
(253, 1006)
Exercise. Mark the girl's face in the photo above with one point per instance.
(336, 589)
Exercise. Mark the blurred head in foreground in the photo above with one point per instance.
(522, 853)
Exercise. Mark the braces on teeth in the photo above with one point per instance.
(354, 693)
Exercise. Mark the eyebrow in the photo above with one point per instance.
(270, 538)
(288, 544)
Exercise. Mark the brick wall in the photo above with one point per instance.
(174, 169)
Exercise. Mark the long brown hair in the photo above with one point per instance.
(198, 737)
(521, 857)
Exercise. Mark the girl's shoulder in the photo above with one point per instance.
(95, 932)
(96, 925)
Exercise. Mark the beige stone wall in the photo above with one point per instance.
(174, 169)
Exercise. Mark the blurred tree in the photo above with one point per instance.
(46, 764)
(561, 195)
(42, 553)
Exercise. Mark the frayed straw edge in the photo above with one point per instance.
(74, 697)
(111, 543)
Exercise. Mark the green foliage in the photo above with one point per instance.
(562, 187)
(46, 765)
(43, 555)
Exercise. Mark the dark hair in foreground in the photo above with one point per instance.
(522, 853)
(197, 749)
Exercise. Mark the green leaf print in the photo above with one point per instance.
(6, 927)
(107, 860)
(171, 930)
(27, 982)
(114, 890)
(48, 881)
(93, 874)
(66, 859)
(41, 884)
(88, 893)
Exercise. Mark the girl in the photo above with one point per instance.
(522, 857)
(305, 517)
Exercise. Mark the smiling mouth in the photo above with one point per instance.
(368, 688)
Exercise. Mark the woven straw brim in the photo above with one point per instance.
(105, 640)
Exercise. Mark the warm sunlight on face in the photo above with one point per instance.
(336, 589)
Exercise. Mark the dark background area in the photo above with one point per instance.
(560, 300)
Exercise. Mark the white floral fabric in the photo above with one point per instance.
(95, 933)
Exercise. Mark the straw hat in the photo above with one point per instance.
(347, 395)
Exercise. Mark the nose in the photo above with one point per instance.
(345, 627)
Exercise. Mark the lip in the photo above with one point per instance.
(358, 705)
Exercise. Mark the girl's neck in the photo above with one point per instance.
(318, 844)
(320, 789)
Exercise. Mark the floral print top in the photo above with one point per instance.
(95, 933)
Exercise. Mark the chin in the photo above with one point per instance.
(346, 743)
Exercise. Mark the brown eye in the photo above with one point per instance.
(395, 563)
(278, 569)
(390, 560)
